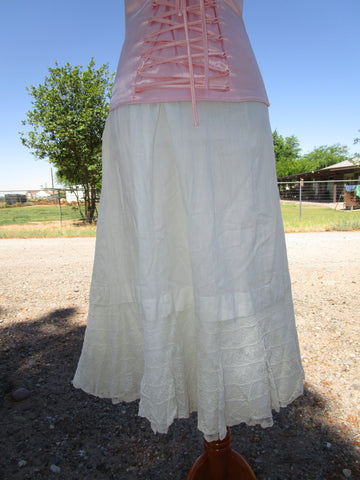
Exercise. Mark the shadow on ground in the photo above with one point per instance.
(63, 433)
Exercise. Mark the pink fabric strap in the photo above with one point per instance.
(186, 50)
(188, 36)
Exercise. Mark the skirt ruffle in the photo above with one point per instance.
(190, 302)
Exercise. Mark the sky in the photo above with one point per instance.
(307, 51)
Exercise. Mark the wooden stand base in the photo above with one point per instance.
(219, 462)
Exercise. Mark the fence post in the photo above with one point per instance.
(300, 192)
(60, 216)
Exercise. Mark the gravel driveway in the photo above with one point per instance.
(59, 432)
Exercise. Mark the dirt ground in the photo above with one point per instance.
(59, 432)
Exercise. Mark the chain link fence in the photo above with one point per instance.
(339, 194)
(46, 196)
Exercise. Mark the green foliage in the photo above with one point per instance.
(357, 139)
(287, 151)
(67, 120)
(289, 162)
(324, 156)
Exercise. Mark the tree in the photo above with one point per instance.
(289, 162)
(357, 155)
(287, 151)
(324, 156)
(67, 120)
(357, 139)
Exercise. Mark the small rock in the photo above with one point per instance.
(347, 473)
(20, 394)
(55, 468)
(22, 463)
(328, 445)
(19, 419)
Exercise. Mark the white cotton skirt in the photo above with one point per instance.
(190, 303)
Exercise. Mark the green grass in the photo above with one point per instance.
(315, 218)
(46, 213)
(43, 221)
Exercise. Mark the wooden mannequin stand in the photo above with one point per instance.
(220, 462)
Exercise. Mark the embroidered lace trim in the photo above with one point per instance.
(186, 36)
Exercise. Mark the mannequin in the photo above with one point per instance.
(190, 302)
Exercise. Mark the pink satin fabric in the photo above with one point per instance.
(186, 50)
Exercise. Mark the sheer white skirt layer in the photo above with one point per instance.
(190, 302)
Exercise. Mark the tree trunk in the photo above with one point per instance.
(92, 203)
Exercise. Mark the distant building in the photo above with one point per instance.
(13, 198)
(31, 194)
(75, 194)
(43, 194)
(328, 183)
(38, 194)
(346, 170)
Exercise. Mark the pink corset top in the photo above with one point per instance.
(186, 50)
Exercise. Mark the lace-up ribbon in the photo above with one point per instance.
(183, 48)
